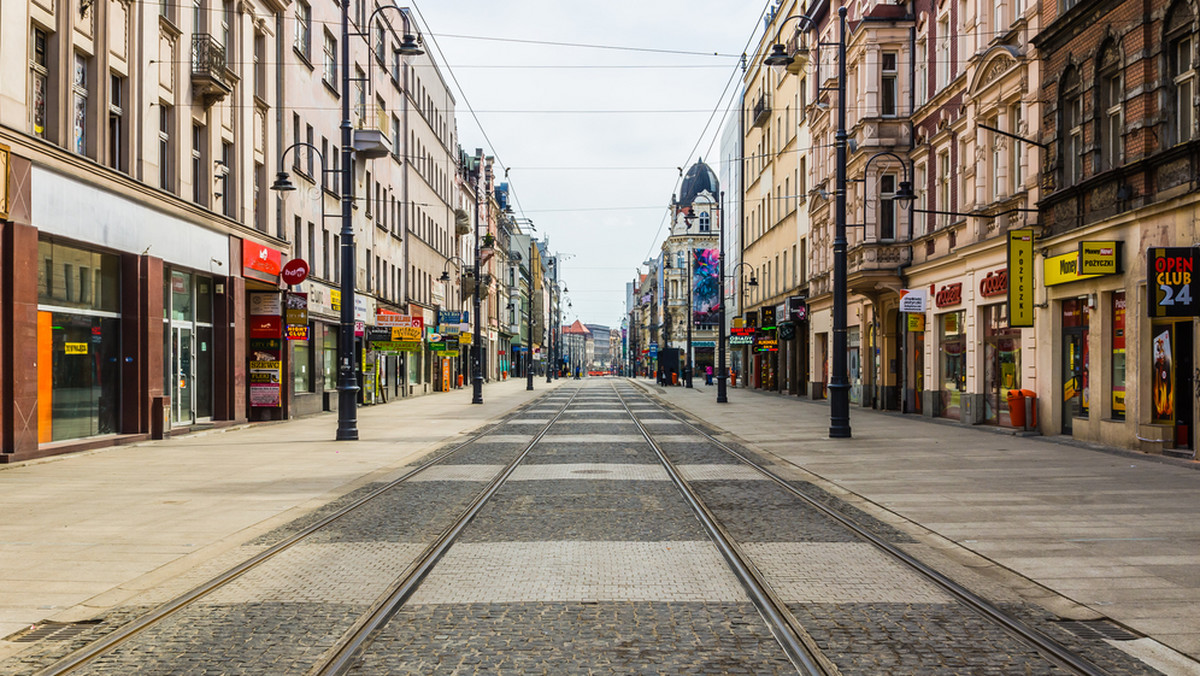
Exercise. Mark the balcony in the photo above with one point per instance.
(211, 79)
(872, 263)
(761, 112)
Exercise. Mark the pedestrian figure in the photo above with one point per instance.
(708, 375)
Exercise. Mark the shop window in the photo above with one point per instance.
(302, 380)
(329, 356)
(952, 345)
(1001, 363)
(1118, 355)
(79, 343)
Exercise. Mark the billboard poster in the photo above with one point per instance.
(1020, 278)
(706, 285)
(1171, 282)
(1163, 388)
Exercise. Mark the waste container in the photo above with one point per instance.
(1030, 408)
(1016, 408)
(1022, 408)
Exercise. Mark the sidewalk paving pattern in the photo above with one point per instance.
(1111, 531)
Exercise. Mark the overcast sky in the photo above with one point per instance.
(592, 137)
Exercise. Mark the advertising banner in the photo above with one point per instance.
(706, 285)
(261, 262)
(1063, 269)
(1020, 277)
(1100, 258)
(1171, 282)
(913, 300)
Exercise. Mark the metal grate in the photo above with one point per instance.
(1097, 630)
(51, 631)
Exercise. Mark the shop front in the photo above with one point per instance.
(78, 342)
(188, 346)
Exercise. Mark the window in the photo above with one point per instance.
(1072, 129)
(367, 202)
(1183, 76)
(360, 96)
(310, 137)
(116, 123)
(312, 244)
(296, 141)
(942, 60)
(227, 40)
(705, 222)
(325, 154)
(79, 90)
(303, 39)
(325, 254)
(943, 188)
(166, 149)
(998, 23)
(1016, 149)
(997, 159)
(329, 71)
(888, 92)
(260, 207)
(228, 201)
(1110, 122)
(198, 174)
(887, 207)
(39, 67)
(260, 66)
(921, 72)
(380, 42)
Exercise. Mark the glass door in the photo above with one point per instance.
(183, 388)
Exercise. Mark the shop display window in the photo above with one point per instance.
(952, 345)
(79, 343)
(1001, 363)
(1118, 355)
(329, 356)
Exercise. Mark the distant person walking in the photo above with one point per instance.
(708, 375)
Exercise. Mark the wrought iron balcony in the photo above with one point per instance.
(761, 112)
(211, 79)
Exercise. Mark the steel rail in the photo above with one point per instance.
(89, 653)
(345, 654)
(805, 657)
(1048, 647)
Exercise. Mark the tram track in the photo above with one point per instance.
(1053, 651)
(86, 656)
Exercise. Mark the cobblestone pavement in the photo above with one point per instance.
(587, 560)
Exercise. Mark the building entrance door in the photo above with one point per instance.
(1074, 362)
(183, 389)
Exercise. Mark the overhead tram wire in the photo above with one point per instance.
(732, 76)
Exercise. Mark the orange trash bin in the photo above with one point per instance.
(1016, 408)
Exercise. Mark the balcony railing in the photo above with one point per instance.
(761, 111)
(210, 77)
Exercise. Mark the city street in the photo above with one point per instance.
(587, 558)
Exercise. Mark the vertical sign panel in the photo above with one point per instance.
(1171, 282)
(1020, 277)
(706, 285)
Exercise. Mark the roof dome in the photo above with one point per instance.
(699, 178)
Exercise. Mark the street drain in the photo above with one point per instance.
(1096, 630)
(591, 471)
(51, 631)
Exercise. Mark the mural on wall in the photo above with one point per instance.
(706, 285)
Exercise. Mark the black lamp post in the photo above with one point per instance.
(551, 288)
(347, 429)
(477, 340)
(839, 384)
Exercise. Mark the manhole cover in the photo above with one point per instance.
(51, 631)
(1096, 630)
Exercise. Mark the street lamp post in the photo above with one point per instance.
(347, 429)
(476, 339)
(722, 374)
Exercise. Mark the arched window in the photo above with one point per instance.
(1071, 129)
(705, 222)
(1110, 106)
(1181, 69)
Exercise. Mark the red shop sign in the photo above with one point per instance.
(265, 326)
(950, 294)
(295, 271)
(995, 284)
(261, 262)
